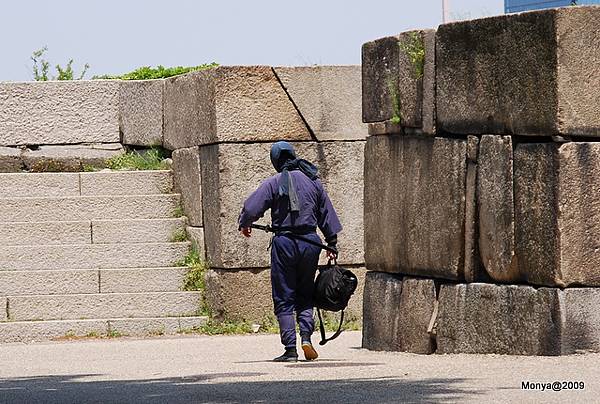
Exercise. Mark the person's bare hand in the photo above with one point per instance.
(246, 231)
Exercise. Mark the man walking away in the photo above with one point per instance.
(299, 204)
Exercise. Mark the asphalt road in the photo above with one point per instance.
(201, 369)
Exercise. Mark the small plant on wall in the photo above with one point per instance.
(41, 68)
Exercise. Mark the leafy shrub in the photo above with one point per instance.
(159, 72)
(41, 67)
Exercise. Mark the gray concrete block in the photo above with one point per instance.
(527, 74)
(30, 331)
(10, 159)
(328, 98)
(88, 208)
(397, 313)
(104, 305)
(70, 157)
(581, 320)
(496, 208)
(229, 104)
(188, 182)
(81, 256)
(143, 327)
(508, 319)
(141, 111)
(48, 282)
(414, 205)
(399, 79)
(59, 112)
(137, 231)
(18, 185)
(230, 173)
(142, 280)
(558, 213)
(239, 295)
(49, 233)
(196, 237)
(127, 182)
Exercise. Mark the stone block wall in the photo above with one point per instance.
(496, 210)
(221, 124)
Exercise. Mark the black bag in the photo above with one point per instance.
(333, 288)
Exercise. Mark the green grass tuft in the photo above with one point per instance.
(179, 235)
(152, 159)
(158, 72)
(415, 50)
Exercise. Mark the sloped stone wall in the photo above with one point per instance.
(498, 207)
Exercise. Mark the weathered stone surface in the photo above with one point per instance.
(48, 282)
(18, 185)
(3, 309)
(27, 233)
(196, 237)
(557, 213)
(508, 319)
(187, 175)
(140, 327)
(496, 208)
(82, 256)
(230, 173)
(527, 74)
(138, 231)
(104, 305)
(472, 259)
(10, 159)
(28, 331)
(144, 182)
(328, 98)
(142, 280)
(397, 313)
(399, 79)
(229, 104)
(243, 294)
(59, 112)
(415, 205)
(88, 208)
(141, 112)
(69, 158)
(581, 327)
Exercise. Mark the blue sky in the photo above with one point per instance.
(118, 36)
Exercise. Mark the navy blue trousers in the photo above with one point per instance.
(293, 268)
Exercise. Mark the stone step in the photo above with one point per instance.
(100, 256)
(103, 231)
(21, 185)
(30, 331)
(103, 305)
(88, 208)
(86, 281)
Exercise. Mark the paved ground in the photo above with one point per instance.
(236, 369)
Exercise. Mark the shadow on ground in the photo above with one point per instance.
(205, 389)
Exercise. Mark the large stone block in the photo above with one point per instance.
(142, 280)
(137, 231)
(141, 112)
(19, 185)
(229, 104)
(3, 309)
(397, 313)
(399, 80)
(557, 213)
(36, 233)
(415, 205)
(59, 112)
(581, 320)
(239, 295)
(231, 172)
(328, 98)
(527, 74)
(70, 157)
(187, 175)
(509, 319)
(28, 331)
(14, 283)
(144, 182)
(104, 305)
(496, 208)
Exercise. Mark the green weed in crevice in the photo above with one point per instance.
(158, 72)
(179, 235)
(414, 48)
(396, 102)
(152, 159)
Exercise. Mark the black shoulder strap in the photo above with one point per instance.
(325, 340)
